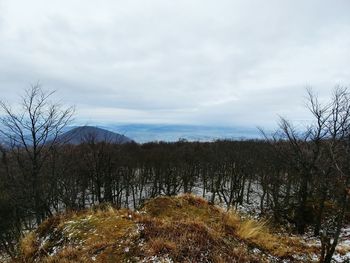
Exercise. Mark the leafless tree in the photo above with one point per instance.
(338, 146)
(32, 129)
(321, 156)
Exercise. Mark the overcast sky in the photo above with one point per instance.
(184, 61)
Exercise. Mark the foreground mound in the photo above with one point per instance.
(166, 229)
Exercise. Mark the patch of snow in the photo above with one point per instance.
(157, 259)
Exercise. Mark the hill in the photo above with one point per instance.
(167, 229)
(89, 133)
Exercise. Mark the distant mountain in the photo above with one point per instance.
(172, 132)
(89, 133)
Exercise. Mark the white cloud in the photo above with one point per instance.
(186, 61)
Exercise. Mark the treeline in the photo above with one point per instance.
(77, 177)
(299, 177)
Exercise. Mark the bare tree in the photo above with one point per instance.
(338, 123)
(321, 156)
(32, 130)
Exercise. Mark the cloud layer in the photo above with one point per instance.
(187, 61)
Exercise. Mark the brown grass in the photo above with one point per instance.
(81, 237)
(160, 245)
(29, 245)
(184, 228)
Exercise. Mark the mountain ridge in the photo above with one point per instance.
(81, 134)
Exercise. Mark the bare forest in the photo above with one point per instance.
(297, 177)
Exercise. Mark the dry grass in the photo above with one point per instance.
(81, 237)
(225, 227)
(160, 245)
(184, 228)
(251, 229)
(29, 245)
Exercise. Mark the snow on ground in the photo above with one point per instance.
(343, 248)
(157, 259)
(253, 210)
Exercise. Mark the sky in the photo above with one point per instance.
(199, 62)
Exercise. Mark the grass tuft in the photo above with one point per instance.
(29, 245)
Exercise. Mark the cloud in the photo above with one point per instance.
(186, 61)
